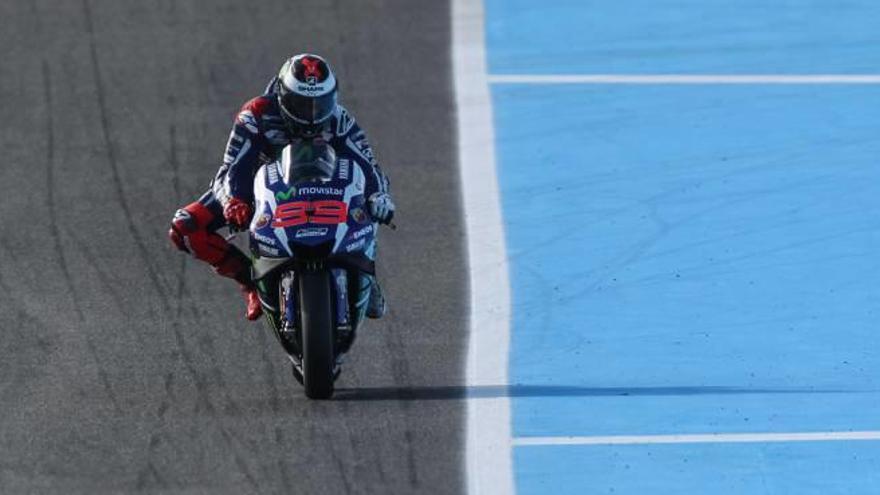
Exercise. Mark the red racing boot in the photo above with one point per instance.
(254, 308)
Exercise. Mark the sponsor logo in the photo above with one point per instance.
(262, 220)
(310, 88)
(344, 165)
(327, 212)
(268, 251)
(264, 239)
(335, 191)
(272, 171)
(285, 195)
(311, 232)
(311, 68)
(236, 148)
(354, 246)
(359, 215)
(364, 231)
(344, 124)
(305, 153)
(361, 146)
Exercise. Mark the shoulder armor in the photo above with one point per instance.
(259, 106)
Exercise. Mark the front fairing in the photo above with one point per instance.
(290, 217)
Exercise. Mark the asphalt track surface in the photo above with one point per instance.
(125, 366)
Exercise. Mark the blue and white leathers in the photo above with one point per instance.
(260, 134)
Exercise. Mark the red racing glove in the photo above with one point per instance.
(238, 213)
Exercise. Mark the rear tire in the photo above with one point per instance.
(317, 334)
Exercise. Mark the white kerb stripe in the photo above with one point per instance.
(821, 436)
(684, 79)
(488, 454)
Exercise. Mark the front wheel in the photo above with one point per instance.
(317, 334)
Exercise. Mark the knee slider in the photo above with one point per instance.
(178, 239)
(184, 222)
(182, 225)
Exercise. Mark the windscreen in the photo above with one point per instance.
(309, 160)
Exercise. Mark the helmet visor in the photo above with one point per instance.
(305, 109)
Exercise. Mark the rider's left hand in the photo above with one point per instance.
(381, 207)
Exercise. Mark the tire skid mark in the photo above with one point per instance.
(150, 472)
(411, 465)
(401, 374)
(232, 406)
(104, 277)
(10, 253)
(239, 460)
(114, 164)
(275, 405)
(354, 450)
(380, 466)
(269, 372)
(174, 162)
(286, 481)
(51, 192)
(55, 233)
(156, 438)
(22, 315)
(340, 464)
(203, 399)
(169, 395)
(102, 374)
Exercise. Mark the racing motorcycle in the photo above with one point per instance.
(313, 244)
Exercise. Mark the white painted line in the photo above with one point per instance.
(821, 436)
(684, 79)
(488, 455)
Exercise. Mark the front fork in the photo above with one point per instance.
(349, 311)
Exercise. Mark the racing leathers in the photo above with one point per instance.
(258, 136)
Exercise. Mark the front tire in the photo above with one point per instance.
(317, 334)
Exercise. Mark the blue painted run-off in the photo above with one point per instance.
(683, 36)
(691, 259)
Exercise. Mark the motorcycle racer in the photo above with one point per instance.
(300, 103)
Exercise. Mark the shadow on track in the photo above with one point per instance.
(514, 391)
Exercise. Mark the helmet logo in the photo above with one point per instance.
(311, 70)
(304, 153)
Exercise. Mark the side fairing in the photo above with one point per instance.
(267, 241)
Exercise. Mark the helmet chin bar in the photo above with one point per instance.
(303, 129)
(306, 130)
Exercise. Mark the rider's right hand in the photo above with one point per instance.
(237, 212)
